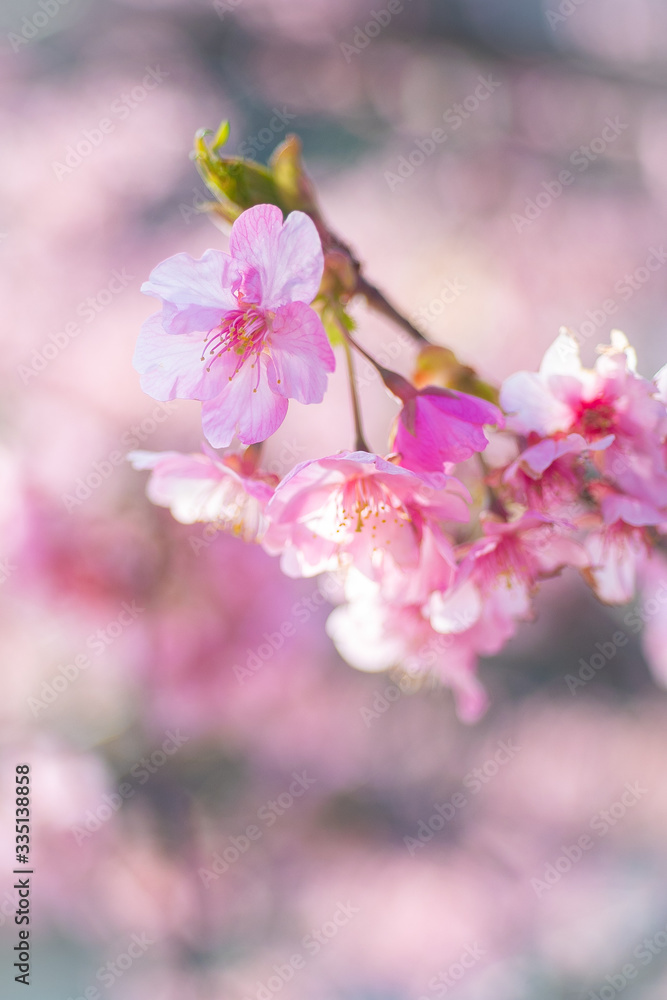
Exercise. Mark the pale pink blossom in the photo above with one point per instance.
(548, 476)
(357, 508)
(611, 400)
(526, 550)
(434, 570)
(567, 398)
(227, 492)
(236, 330)
(498, 576)
(553, 399)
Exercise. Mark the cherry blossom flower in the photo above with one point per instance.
(617, 412)
(438, 426)
(435, 570)
(548, 476)
(227, 492)
(548, 401)
(498, 575)
(236, 330)
(356, 507)
(565, 397)
(526, 550)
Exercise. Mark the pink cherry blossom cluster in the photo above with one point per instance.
(438, 549)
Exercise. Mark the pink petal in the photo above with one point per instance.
(188, 484)
(660, 378)
(182, 320)
(505, 603)
(359, 632)
(614, 561)
(201, 488)
(310, 557)
(457, 610)
(183, 280)
(463, 406)
(283, 263)
(196, 293)
(531, 407)
(470, 697)
(638, 513)
(171, 367)
(301, 354)
(438, 426)
(246, 407)
(562, 357)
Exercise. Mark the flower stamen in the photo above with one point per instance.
(242, 331)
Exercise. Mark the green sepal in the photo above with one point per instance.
(238, 184)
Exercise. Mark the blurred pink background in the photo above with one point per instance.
(151, 762)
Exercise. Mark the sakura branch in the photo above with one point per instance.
(440, 543)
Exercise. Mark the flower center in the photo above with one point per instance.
(596, 417)
(242, 332)
(365, 501)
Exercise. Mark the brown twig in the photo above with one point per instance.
(377, 301)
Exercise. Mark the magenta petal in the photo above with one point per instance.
(246, 407)
(301, 354)
(282, 263)
(171, 367)
(462, 405)
(438, 427)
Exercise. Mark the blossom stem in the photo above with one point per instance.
(359, 439)
(359, 285)
(377, 301)
(396, 384)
